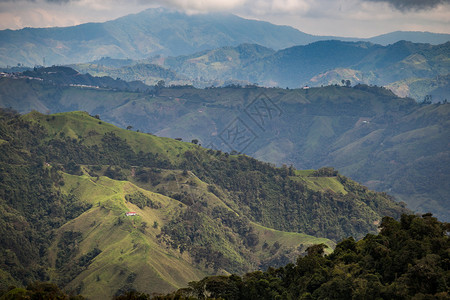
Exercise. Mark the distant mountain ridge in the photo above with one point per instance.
(411, 36)
(409, 69)
(160, 31)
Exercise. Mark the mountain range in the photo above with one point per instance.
(408, 69)
(164, 32)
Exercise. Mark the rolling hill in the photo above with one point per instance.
(69, 179)
(388, 143)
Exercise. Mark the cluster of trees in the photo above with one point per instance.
(38, 290)
(267, 195)
(408, 259)
(325, 172)
(215, 237)
(112, 151)
(273, 197)
(142, 201)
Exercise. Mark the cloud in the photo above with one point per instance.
(276, 5)
(410, 5)
(262, 6)
(49, 1)
(59, 1)
(362, 18)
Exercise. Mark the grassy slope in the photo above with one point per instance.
(289, 239)
(128, 247)
(79, 124)
(125, 248)
(13, 90)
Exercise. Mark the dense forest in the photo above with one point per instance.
(408, 259)
(67, 179)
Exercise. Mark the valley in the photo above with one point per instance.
(388, 143)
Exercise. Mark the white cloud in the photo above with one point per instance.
(361, 18)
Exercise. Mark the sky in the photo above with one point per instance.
(351, 18)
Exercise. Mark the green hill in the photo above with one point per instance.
(388, 143)
(69, 179)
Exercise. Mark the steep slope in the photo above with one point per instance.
(198, 211)
(114, 251)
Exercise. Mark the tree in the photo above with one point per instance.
(161, 84)
(194, 141)
(132, 295)
(428, 99)
(129, 127)
(144, 225)
(316, 250)
(346, 83)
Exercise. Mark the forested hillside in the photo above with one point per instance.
(388, 143)
(68, 179)
(408, 259)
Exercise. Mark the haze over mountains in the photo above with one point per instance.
(408, 69)
(161, 31)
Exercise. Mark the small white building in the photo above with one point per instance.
(131, 213)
